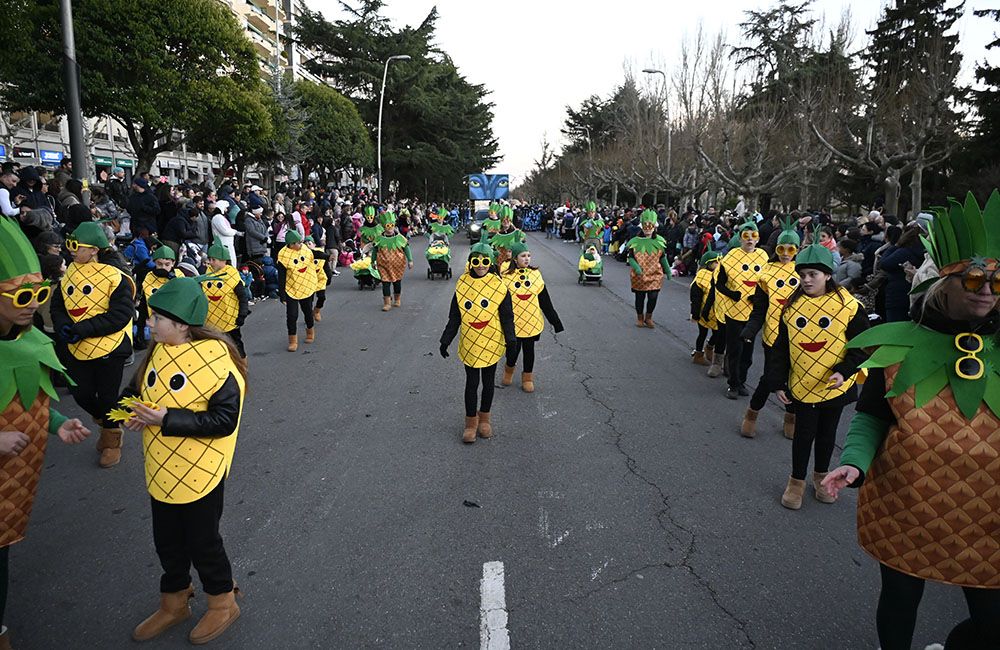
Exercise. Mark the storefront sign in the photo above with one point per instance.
(52, 158)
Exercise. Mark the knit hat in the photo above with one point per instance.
(17, 257)
(219, 251)
(748, 224)
(164, 253)
(708, 257)
(816, 256)
(90, 233)
(141, 182)
(182, 300)
(648, 216)
(292, 237)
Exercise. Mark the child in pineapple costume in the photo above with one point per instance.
(187, 399)
(370, 228)
(297, 279)
(530, 300)
(164, 261)
(703, 311)
(648, 258)
(811, 367)
(392, 257)
(776, 285)
(923, 445)
(92, 314)
(739, 272)
(228, 297)
(505, 238)
(482, 316)
(491, 224)
(320, 259)
(26, 415)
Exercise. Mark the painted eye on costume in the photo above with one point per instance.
(746, 267)
(780, 284)
(70, 289)
(793, 282)
(484, 303)
(824, 321)
(178, 381)
(468, 304)
(756, 268)
(154, 291)
(527, 283)
(517, 285)
(151, 378)
(218, 284)
(86, 289)
(801, 322)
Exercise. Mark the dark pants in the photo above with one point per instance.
(4, 579)
(720, 338)
(186, 534)
(472, 376)
(320, 298)
(739, 353)
(760, 394)
(396, 287)
(514, 349)
(98, 382)
(713, 340)
(647, 297)
(237, 336)
(292, 308)
(815, 424)
(897, 614)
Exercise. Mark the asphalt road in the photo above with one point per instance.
(626, 510)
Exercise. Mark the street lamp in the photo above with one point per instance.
(669, 131)
(381, 98)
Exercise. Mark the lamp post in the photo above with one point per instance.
(590, 160)
(381, 99)
(669, 131)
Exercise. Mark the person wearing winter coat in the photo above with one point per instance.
(142, 208)
(256, 234)
(223, 229)
(897, 287)
(848, 272)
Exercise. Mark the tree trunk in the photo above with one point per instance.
(614, 194)
(891, 184)
(916, 186)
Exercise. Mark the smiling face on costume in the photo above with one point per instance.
(164, 264)
(814, 282)
(167, 330)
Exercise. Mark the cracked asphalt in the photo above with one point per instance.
(624, 505)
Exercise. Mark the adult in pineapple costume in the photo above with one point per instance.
(505, 238)
(924, 443)
(776, 285)
(392, 257)
(482, 316)
(647, 255)
(187, 399)
(739, 272)
(370, 228)
(228, 297)
(164, 260)
(703, 311)
(592, 228)
(26, 416)
(530, 300)
(492, 222)
(92, 313)
(811, 367)
(297, 280)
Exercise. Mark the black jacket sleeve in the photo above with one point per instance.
(722, 285)
(872, 400)
(758, 315)
(855, 356)
(282, 274)
(121, 310)
(545, 302)
(218, 421)
(779, 362)
(706, 311)
(454, 320)
(57, 309)
(507, 318)
(243, 295)
(697, 295)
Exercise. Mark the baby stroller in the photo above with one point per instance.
(438, 256)
(364, 272)
(591, 266)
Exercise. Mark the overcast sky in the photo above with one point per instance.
(538, 56)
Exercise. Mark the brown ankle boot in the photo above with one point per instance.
(749, 427)
(528, 382)
(293, 342)
(397, 301)
(485, 427)
(709, 354)
(469, 433)
(792, 498)
(699, 359)
(715, 369)
(110, 446)
(788, 428)
(174, 608)
(508, 375)
(386, 303)
(640, 321)
(317, 316)
(648, 321)
(222, 612)
(310, 334)
(822, 494)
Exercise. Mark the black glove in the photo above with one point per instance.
(559, 327)
(68, 334)
(444, 351)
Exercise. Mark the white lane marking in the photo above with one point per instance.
(493, 634)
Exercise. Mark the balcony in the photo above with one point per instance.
(264, 46)
(268, 7)
(260, 20)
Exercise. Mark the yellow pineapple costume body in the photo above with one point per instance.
(223, 303)
(86, 291)
(390, 262)
(741, 271)
(152, 282)
(481, 338)
(300, 273)
(779, 281)
(817, 338)
(525, 285)
(703, 280)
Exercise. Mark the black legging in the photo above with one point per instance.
(397, 288)
(739, 353)
(515, 348)
(814, 423)
(472, 376)
(292, 308)
(4, 579)
(320, 298)
(713, 340)
(237, 336)
(649, 297)
(897, 614)
(760, 394)
(98, 382)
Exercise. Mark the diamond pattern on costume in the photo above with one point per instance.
(300, 276)
(524, 286)
(779, 282)
(479, 347)
(741, 268)
(89, 287)
(391, 264)
(930, 503)
(703, 279)
(19, 473)
(223, 305)
(817, 340)
(651, 278)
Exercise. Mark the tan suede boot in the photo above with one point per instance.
(792, 498)
(310, 334)
(698, 358)
(293, 342)
(715, 369)
(317, 316)
(822, 494)
(640, 321)
(386, 303)
(508, 375)
(222, 612)
(469, 433)
(528, 382)
(398, 300)
(485, 427)
(749, 427)
(648, 321)
(110, 446)
(174, 608)
(788, 428)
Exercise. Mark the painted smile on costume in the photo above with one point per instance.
(813, 347)
(782, 301)
(479, 324)
(524, 296)
(215, 298)
(80, 311)
(750, 283)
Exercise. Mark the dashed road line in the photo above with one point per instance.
(493, 634)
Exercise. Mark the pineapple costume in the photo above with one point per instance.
(647, 257)
(592, 228)
(201, 388)
(370, 228)
(506, 236)
(228, 297)
(297, 277)
(151, 283)
(482, 316)
(531, 301)
(926, 437)
(702, 294)
(392, 255)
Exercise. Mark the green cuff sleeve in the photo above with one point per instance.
(56, 420)
(635, 266)
(665, 264)
(864, 437)
(406, 251)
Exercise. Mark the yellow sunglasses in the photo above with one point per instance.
(480, 261)
(749, 235)
(969, 366)
(786, 250)
(73, 245)
(26, 295)
(975, 277)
